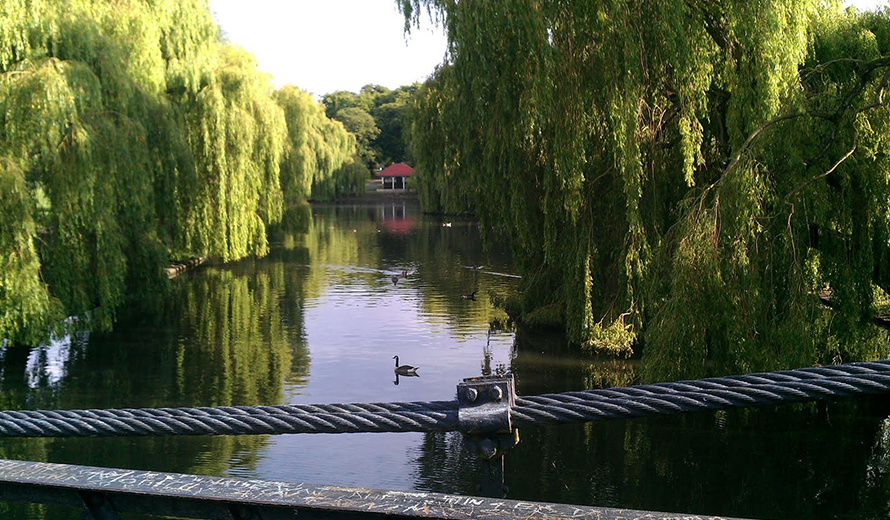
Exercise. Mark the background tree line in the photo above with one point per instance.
(379, 119)
(692, 178)
(132, 133)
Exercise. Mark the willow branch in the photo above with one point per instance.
(807, 72)
(879, 95)
(754, 134)
(821, 175)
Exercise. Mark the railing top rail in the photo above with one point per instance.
(195, 496)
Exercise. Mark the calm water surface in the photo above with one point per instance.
(318, 321)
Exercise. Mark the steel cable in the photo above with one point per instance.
(612, 403)
(706, 394)
(240, 420)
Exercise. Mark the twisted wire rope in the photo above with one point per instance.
(719, 393)
(635, 401)
(233, 420)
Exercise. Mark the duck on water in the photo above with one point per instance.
(405, 370)
(395, 278)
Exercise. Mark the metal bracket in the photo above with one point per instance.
(485, 404)
(483, 417)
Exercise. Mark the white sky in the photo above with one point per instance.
(327, 45)
(867, 4)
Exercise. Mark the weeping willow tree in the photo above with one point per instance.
(27, 304)
(348, 179)
(319, 156)
(688, 175)
(442, 185)
(236, 131)
(66, 96)
(130, 133)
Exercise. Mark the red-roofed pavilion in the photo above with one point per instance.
(394, 176)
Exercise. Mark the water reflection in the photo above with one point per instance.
(771, 463)
(801, 461)
(320, 319)
(360, 319)
(317, 320)
(394, 217)
(46, 364)
(797, 461)
(396, 380)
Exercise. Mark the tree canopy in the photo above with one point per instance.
(691, 177)
(320, 152)
(362, 125)
(378, 117)
(131, 133)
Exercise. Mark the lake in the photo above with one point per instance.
(319, 319)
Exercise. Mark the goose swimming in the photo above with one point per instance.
(405, 370)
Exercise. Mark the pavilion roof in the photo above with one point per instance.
(397, 170)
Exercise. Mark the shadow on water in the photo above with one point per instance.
(319, 320)
(223, 336)
(797, 461)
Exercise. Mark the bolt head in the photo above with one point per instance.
(496, 393)
(472, 394)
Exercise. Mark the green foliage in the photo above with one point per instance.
(378, 117)
(434, 120)
(341, 99)
(362, 125)
(299, 162)
(390, 142)
(236, 131)
(348, 179)
(130, 134)
(545, 316)
(318, 153)
(25, 302)
(697, 173)
(67, 128)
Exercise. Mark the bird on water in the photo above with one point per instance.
(395, 278)
(471, 296)
(405, 370)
